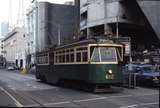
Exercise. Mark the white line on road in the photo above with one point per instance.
(122, 96)
(130, 106)
(57, 103)
(154, 103)
(16, 101)
(32, 78)
(102, 98)
(148, 94)
(141, 104)
(34, 105)
(85, 100)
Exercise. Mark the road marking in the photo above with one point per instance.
(102, 98)
(30, 77)
(57, 103)
(130, 106)
(123, 96)
(147, 94)
(143, 104)
(85, 100)
(34, 105)
(16, 101)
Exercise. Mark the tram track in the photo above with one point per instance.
(17, 103)
(21, 98)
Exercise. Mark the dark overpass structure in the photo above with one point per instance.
(151, 11)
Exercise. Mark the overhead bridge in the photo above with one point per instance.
(151, 10)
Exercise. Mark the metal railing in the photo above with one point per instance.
(129, 80)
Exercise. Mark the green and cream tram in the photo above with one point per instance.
(90, 62)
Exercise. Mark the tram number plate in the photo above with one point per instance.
(109, 76)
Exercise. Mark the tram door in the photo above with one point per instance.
(51, 58)
(51, 66)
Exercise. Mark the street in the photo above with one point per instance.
(25, 91)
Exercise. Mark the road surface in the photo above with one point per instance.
(24, 90)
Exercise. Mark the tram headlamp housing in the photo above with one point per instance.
(110, 71)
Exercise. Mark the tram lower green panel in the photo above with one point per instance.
(91, 73)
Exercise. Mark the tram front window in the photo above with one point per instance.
(95, 55)
(104, 54)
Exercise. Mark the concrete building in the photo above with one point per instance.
(57, 25)
(4, 28)
(47, 21)
(31, 32)
(14, 47)
(137, 19)
(1, 47)
(69, 3)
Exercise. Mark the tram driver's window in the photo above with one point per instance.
(95, 55)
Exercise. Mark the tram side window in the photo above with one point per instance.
(57, 59)
(63, 58)
(51, 57)
(60, 58)
(78, 56)
(72, 57)
(67, 58)
(42, 59)
(85, 56)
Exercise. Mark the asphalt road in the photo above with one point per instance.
(25, 90)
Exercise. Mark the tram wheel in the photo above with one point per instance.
(43, 79)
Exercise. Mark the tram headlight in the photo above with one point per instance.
(110, 71)
(109, 75)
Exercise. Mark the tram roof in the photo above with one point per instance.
(90, 41)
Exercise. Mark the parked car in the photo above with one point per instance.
(10, 68)
(16, 68)
(145, 74)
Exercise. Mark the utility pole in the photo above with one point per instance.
(117, 26)
(59, 34)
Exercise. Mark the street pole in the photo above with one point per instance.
(59, 34)
(117, 27)
(130, 55)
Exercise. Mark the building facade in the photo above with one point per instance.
(57, 25)
(49, 25)
(32, 32)
(1, 47)
(4, 28)
(69, 3)
(137, 19)
(14, 47)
